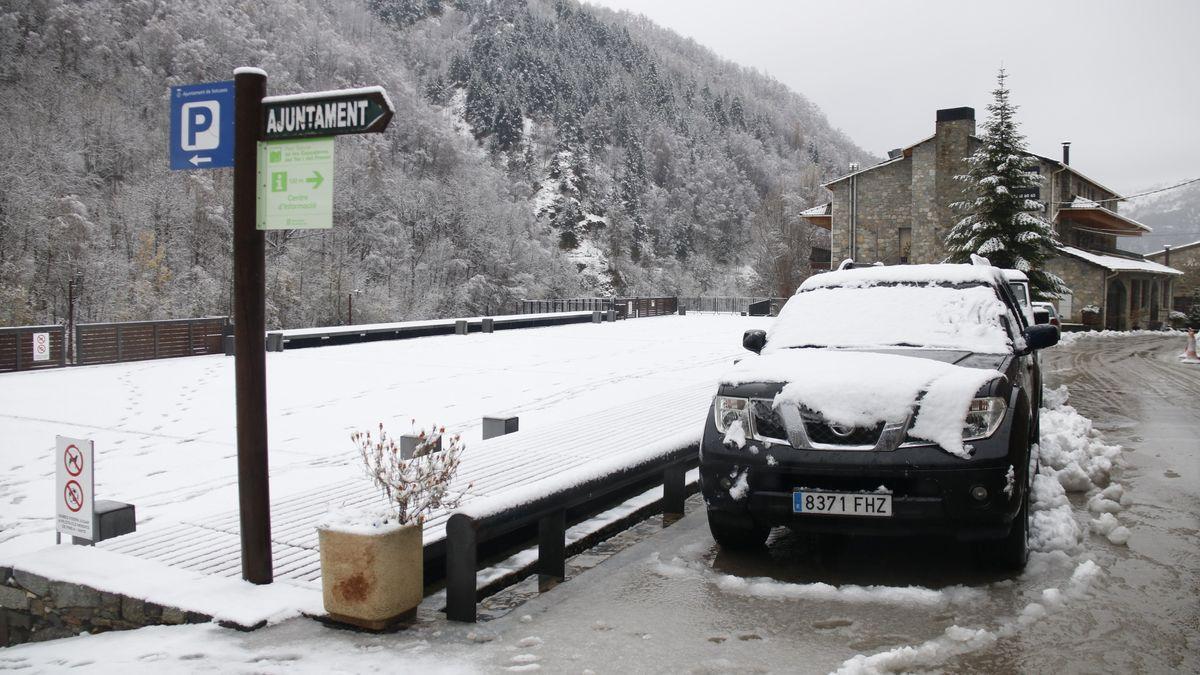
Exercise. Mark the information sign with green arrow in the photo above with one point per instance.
(295, 184)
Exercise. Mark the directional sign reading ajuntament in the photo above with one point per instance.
(326, 113)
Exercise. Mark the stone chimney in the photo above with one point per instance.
(956, 120)
(952, 145)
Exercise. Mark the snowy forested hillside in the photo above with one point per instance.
(540, 149)
(1174, 215)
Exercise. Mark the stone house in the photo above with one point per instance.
(1185, 258)
(899, 211)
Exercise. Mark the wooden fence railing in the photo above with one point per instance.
(140, 340)
(32, 348)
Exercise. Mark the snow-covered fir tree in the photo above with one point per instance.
(998, 221)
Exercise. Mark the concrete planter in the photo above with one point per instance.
(372, 580)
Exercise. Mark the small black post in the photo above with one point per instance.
(461, 556)
(71, 318)
(552, 547)
(250, 365)
(674, 491)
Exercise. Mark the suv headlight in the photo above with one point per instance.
(983, 417)
(730, 409)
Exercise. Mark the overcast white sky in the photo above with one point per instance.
(1119, 80)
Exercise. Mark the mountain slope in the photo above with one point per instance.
(1174, 215)
(539, 149)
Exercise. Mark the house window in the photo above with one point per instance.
(905, 236)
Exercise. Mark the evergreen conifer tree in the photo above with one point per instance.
(998, 221)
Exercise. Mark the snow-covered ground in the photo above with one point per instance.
(1073, 458)
(164, 430)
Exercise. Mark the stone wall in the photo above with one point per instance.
(1086, 282)
(1188, 262)
(884, 201)
(34, 608)
(839, 223)
(925, 241)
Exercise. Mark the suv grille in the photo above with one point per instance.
(766, 421)
(821, 431)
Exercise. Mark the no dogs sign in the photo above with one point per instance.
(73, 491)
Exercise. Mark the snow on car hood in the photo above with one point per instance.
(864, 388)
(942, 317)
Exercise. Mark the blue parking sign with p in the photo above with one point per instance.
(202, 126)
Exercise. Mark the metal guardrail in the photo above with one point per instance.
(500, 533)
(624, 307)
(565, 305)
(723, 305)
(278, 341)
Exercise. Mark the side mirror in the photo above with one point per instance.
(1041, 316)
(1040, 337)
(755, 340)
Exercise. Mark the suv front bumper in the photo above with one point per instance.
(930, 488)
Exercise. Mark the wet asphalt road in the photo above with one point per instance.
(674, 603)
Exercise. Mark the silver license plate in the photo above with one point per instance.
(815, 502)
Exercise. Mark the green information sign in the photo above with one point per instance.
(295, 184)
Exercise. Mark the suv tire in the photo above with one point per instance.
(1012, 552)
(737, 534)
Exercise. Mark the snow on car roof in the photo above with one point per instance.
(903, 274)
(857, 315)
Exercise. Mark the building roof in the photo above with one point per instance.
(906, 152)
(1117, 263)
(1174, 249)
(869, 168)
(819, 210)
(1102, 219)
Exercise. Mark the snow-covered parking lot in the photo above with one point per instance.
(1108, 588)
(164, 430)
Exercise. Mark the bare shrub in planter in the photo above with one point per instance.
(413, 487)
(372, 563)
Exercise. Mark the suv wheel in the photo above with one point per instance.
(736, 534)
(1012, 552)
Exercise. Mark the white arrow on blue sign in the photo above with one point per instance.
(202, 126)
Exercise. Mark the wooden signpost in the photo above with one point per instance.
(258, 121)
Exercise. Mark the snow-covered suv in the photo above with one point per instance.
(883, 400)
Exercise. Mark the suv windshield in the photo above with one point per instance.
(969, 317)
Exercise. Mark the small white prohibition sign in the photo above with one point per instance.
(73, 496)
(73, 460)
